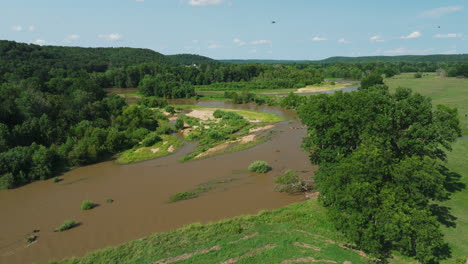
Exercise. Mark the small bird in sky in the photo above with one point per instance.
(273, 22)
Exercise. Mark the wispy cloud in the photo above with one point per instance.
(441, 11)
(413, 35)
(239, 42)
(140, 1)
(215, 46)
(449, 35)
(39, 42)
(343, 41)
(376, 38)
(17, 28)
(71, 38)
(111, 36)
(32, 28)
(318, 38)
(261, 42)
(253, 51)
(204, 2)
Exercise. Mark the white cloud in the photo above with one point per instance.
(343, 41)
(376, 38)
(253, 51)
(413, 35)
(318, 39)
(449, 35)
(214, 46)
(111, 37)
(71, 38)
(32, 28)
(261, 42)
(441, 11)
(140, 1)
(451, 51)
(239, 42)
(39, 42)
(17, 28)
(204, 2)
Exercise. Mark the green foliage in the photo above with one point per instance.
(381, 176)
(179, 124)
(151, 139)
(182, 196)
(418, 75)
(152, 102)
(109, 200)
(166, 129)
(67, 224)
(371, 80)
(259, 166)
(87, 205)
(290, 182)
(170, 109)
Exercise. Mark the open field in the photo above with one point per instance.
(448, 91)
(452, 92)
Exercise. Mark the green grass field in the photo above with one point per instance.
(452, 92)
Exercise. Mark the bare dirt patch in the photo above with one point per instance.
(244, 238)
(202, 114)
(304, 245)
(187, 255)
(154, 150)
(307, 260)
(171, 149)
(250, 254)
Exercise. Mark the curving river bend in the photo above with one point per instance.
(140, 193)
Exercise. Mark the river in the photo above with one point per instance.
(140, 192)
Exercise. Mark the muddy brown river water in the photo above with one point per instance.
(140, 192)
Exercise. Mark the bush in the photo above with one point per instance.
(179, 124)
(87, 205)
(109, 200)
(418, 75)
(67, 224)
(170, 109)
(259, 166)
(165, 129)
(290, 182)
(151, 139)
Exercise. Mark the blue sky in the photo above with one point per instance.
(242, 29)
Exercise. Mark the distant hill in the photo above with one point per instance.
(17, 55)
(190, 59)
(266, 61)
(406, 58)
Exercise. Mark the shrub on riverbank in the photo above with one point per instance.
(259, 166)
(290, 182)
(67, 224)
(87, 205)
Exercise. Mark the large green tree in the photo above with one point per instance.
(381, 170)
